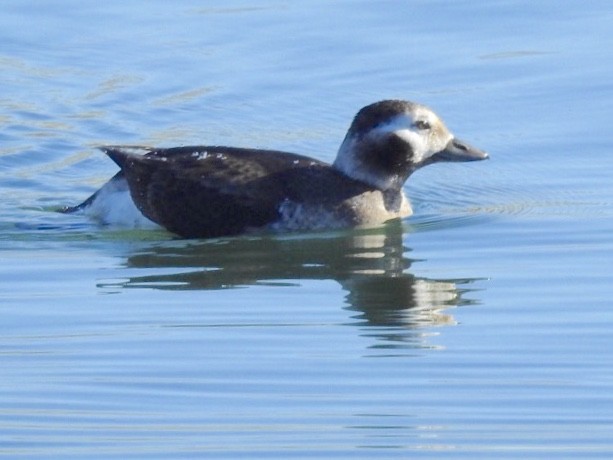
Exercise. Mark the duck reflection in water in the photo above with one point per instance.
(369, 264)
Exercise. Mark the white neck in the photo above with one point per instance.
(348, 162)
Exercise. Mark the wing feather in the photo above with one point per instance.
(208, 191)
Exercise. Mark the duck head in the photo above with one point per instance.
(389, 140)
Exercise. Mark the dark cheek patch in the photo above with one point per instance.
(396, 153)
(390, 156)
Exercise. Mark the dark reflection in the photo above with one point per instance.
(370, 265)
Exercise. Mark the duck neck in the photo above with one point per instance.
(359, 160)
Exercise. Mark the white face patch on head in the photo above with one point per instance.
(423, 132)
(421, 129)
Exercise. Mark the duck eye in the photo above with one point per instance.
(422, 124)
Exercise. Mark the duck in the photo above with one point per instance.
(217, 191)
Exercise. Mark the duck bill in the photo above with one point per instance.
(457, 150)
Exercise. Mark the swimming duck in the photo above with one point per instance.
(209, 191)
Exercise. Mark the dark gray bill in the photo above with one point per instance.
(457, 150)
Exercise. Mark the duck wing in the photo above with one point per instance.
(209, 191)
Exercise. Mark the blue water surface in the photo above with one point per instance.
(480, 327)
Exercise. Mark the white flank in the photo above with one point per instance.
(114, 206)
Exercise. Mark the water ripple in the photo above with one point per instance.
(461, 202)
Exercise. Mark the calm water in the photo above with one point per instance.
(482, 327)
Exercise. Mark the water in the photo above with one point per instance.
(478, 328)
